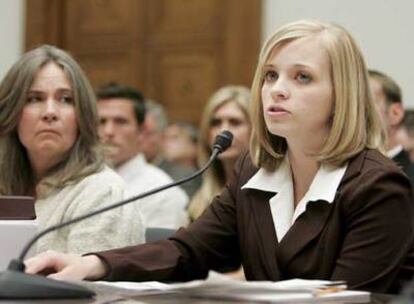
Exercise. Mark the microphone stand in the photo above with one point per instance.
(15, 284)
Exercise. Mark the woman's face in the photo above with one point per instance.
(297, 92)
(47, 127)
(230, 117)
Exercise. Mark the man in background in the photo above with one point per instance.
(388, 98)
(155, 123)
(121, 112)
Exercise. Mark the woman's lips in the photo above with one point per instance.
(49, 131)
(276, 111)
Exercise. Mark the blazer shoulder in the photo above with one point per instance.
(370, 161)
(377, 162)
(371, 175)
(374, 158)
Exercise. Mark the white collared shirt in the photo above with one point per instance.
(166, 209)
(394, 151)
(323, 187)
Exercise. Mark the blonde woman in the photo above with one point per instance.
(227, 109)
(50, 150)
(314, 199)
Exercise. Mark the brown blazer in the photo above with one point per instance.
(364, 237)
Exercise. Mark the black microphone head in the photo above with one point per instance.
(223, 141)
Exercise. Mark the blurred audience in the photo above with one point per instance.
(121, 112)
(388, 99)
(405, 133)
(227, 109)
(180, 144)
(155, 125)
(51, 151)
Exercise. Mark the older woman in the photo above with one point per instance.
(314, 199)
(227, 109)
(49, 142)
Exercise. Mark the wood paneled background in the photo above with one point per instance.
(176, 52)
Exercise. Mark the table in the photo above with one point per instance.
(109, 294)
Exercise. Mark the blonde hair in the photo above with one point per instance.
(355, 123)
(83, 159)
(214, 179)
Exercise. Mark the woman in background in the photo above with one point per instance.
(227, 109)
(50, 150)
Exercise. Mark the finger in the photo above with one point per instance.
(37, 265)
(67, 273)
(40, 262)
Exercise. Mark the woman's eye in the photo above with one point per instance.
(304, 78)
(33, 99)
(271, 76)
(215, 122)
(67, 99)
(235, 122)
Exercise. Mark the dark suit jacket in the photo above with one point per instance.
(403, 160)
(364, 237)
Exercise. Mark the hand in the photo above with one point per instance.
(66, 266)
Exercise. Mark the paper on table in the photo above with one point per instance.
(345, 296)
(217, 286)
(218, 282)
(141, 286)
(158, 286)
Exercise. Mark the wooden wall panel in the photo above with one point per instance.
(102, 25)
(106, 39)
(176, 51)
(43, 23)
(116, 68)
(172, 22)
(241, 40)
(182, 79)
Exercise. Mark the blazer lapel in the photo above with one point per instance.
(311, 223)
(307, 227)
(267, 234)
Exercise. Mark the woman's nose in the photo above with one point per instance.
(51, 112)
(280, 89)
(224, 126)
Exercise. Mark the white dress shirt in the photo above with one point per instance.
(323, 187)
(166, 209)
(394, 151)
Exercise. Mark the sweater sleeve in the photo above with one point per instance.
(119, 227)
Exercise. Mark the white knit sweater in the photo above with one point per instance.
(116, 228)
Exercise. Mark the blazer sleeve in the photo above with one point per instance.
(379, 220)
(210, 242)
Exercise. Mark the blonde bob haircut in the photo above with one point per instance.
(355, 123)
(83, 159)
(214, 179)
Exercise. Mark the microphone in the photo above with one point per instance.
(223, 141)
(15, 284)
